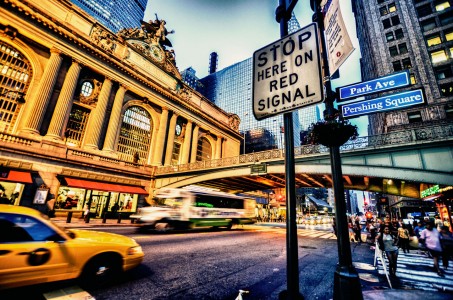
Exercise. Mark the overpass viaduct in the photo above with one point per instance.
(399, 163)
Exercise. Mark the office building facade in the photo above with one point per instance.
(115, 15)
(417, 35)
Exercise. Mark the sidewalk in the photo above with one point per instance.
(415, 277)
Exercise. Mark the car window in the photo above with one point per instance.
(20, 228)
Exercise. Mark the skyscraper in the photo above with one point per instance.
(231, 90)
(115, 15)
(416, 35)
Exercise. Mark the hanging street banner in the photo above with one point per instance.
(389, 102)
(386, 83)
(339, 45)
(287, 74)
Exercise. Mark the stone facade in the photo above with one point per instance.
(81, 102)
(393, 36)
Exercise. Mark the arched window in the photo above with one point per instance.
(15, 75)
(135, 135)
(204, 149)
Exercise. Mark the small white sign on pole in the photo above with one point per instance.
(287, 74)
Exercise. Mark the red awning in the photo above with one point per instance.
(102, 186)
(18, 176)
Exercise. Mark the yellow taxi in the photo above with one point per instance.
(34, 250)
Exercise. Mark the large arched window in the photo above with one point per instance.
(135, 135)
(204, 149)
(15, 75)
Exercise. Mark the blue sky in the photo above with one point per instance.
(235, 29)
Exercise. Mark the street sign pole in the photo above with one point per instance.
(283, 14)
(346, 279)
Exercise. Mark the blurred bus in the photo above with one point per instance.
(183, 209)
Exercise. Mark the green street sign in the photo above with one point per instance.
(258, 168)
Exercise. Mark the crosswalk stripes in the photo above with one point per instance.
(416, 271)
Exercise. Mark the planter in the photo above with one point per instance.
(331, 134)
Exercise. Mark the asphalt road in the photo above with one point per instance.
(210, 264)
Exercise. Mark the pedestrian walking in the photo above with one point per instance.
(403, 238)
(446, 241)
(387, 243)
(430, 237)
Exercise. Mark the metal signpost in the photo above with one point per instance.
(346, 279)
(381, 84)
(389, 102)
(287, 76)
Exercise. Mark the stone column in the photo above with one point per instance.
(186, 145)
(218, 148)
(37, 105)
(115, 120)
(170, 139)
(193, 156)
(64, 103)
(160, 139)
(93, 133)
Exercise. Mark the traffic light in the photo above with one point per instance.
(369, 215)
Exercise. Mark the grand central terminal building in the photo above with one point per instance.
(89, 113)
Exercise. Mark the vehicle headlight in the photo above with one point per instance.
(134, 250)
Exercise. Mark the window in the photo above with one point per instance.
(391, 7)
(407, 63)
(449, 36)
(413, 79)
(402, 48)
(393, 51)
(395, 20)
(389, 36)
(446, 18)
(87, 88)
(135, 134)
(438, 56)
(446, 89)
(443, 72)
(383, 10)
(175, 154)
(397, 66)
(429, 24)
(15, 76)
(449, 110)
(204, 150)
(414, 117)
(424, 10)
(442, 5)
(399, 34)
(75, 129)
(386, 23)
(433, 40)
(380, 1)
(20, 228)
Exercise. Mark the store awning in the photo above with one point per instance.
(103, 186)
(18, 176)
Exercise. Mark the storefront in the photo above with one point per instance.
(99, 197)
(443, 198)
(12, 185)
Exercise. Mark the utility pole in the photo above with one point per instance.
(346, 279)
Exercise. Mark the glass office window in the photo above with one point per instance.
(443, 5)
(433, 40)
(438, 56)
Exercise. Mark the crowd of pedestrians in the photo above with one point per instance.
(434, 239)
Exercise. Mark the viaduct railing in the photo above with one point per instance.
(442, 131)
